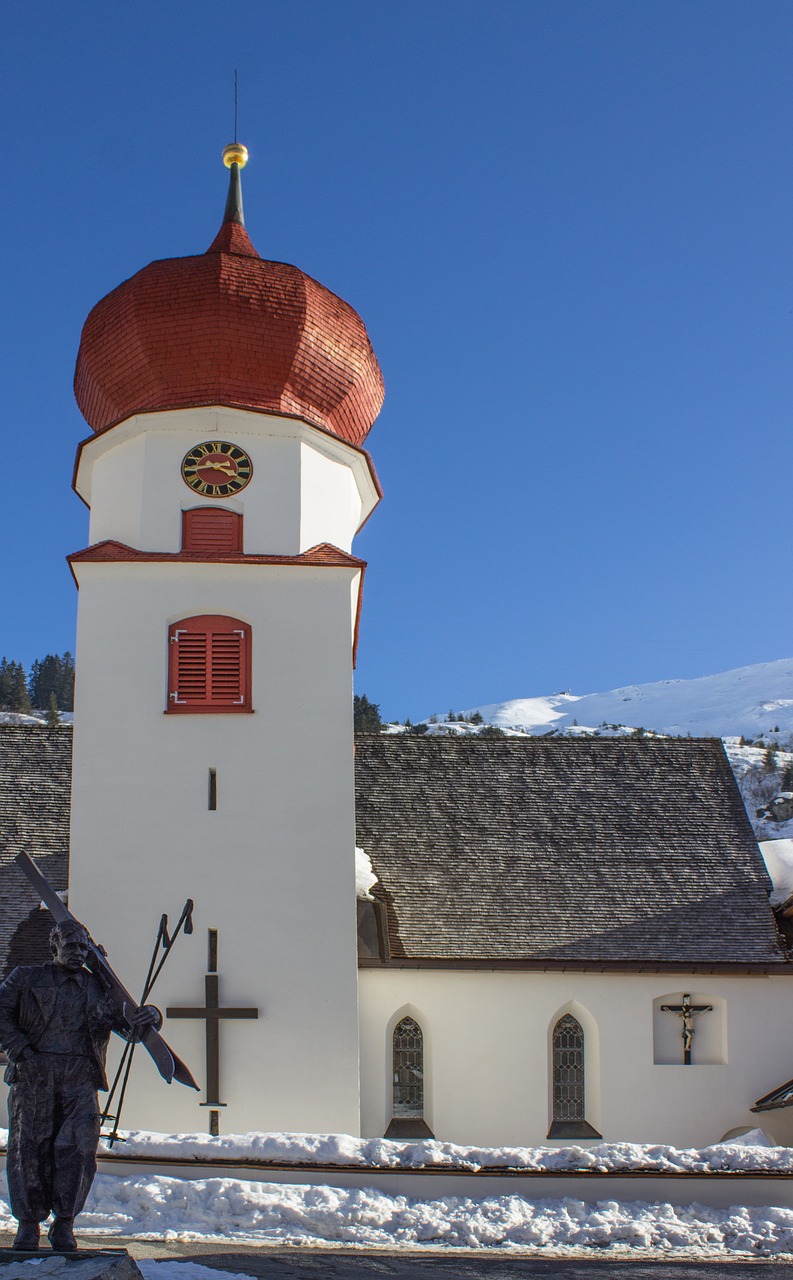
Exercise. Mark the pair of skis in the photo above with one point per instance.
(166, 1061)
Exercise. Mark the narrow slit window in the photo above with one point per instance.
(213, 789)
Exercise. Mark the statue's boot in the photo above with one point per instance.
(27, 1236)
(61, 1235)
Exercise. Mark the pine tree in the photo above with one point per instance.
(13, 687)
(366, 715)
(53, 715)
(5, 684)
(53, 674)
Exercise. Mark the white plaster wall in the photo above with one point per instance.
(488, 1069)
(306, 487)
(329, 499)
(119, 476)
(272, 869)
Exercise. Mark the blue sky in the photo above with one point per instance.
(568, 228)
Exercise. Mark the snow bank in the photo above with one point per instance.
(263, 1214)
(751, 1151)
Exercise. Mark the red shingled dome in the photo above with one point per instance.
(228, 327)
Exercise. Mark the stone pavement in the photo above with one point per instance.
(288, 1263)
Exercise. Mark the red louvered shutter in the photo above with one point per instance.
(211, 529)
(209, 666)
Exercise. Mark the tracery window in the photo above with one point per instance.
(408, 1069)
(569, 1084)
(408, 1082)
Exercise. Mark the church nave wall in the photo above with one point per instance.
(489, 1053)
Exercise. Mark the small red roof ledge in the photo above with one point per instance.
(111, 552)
(323, 554)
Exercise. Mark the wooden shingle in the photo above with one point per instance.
(619, 852)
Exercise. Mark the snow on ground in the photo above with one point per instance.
(154, 1269)
(261, 1214)
(759, 785)
(35, 717)
(154, 1206)
(751, 1151)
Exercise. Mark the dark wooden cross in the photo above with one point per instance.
(212, 1012)
(688, 1012)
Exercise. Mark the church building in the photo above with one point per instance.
(561, 939)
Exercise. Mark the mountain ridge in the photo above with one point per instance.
(752, 702)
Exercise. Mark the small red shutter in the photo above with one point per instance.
(211, 529)
(209, 665)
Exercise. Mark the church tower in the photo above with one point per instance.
(229, 398)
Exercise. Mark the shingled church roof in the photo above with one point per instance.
(492, 852)
(35, 777)
(525, 852)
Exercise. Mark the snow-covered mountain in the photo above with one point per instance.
(752, 702)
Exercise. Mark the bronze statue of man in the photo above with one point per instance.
(55, 1024)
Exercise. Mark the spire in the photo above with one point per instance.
(232, 236)
(235, 158)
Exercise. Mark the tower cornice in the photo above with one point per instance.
(355, 456)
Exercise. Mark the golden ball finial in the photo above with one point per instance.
(235, 153)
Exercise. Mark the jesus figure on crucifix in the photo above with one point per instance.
(687, 1012)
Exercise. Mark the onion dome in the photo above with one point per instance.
(228, 327)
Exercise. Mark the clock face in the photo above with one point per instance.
(216, 469)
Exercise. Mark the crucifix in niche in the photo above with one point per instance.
(687, 1012)
(212, 1012)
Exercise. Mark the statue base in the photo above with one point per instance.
(84, 1264)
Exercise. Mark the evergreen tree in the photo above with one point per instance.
(770, 760)
(366, 715)
(13, 687)
(53, 675)
(53, 715)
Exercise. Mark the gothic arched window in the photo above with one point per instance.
(408, 1069)
(408, 1082)
(569, 1084)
